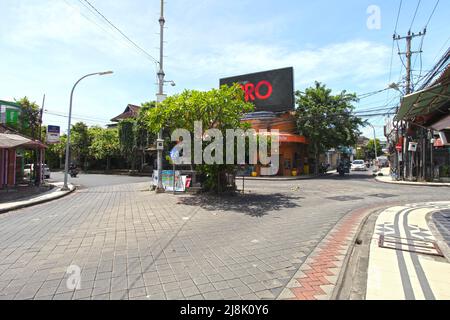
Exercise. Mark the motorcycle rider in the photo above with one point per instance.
(73, 169)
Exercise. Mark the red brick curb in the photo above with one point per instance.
(318, 276)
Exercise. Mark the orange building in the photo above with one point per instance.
(293, 147)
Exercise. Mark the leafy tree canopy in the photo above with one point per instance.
(371, 150)
(221, 109)
(326, 119)
(29, 119)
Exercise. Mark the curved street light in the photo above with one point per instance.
(66, 167)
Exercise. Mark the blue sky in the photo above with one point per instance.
(46, 45)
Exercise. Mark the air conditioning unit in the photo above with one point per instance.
(445, 137)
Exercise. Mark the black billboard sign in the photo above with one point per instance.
(269, 90)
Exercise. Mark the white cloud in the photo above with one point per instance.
(357, 60)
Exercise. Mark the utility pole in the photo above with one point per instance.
(160, 97)
(405, 126)
(40, 160)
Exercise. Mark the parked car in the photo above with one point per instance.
(358, 165)
(28, 168)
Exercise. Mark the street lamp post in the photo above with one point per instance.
(66, 167)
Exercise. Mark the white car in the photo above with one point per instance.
(28, 168)
(358, 165)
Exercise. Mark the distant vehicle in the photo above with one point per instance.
(343, 168)
(28, 168)
(358, 165)
(383, 161)
(73, 171)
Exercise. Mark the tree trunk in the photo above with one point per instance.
(108, 163)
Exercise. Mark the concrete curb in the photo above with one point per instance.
(28, 203)
(345, 265)
(417, 184)
(283, 179)
(349, 263)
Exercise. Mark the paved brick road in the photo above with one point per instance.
(133, 244)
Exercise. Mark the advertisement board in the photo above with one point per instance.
(271, 90)
(9, 113)
(53, 134)
(167, 180)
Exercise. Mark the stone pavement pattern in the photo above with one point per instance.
(409, 267)
(133, 244)
(130, 243)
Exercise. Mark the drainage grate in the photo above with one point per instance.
(383, 195)
(345, 198)
(410, 245)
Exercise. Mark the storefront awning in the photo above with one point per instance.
(8, 141)
(423, 102)
(287, 137)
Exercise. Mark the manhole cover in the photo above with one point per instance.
(410, 245)
(345, 198)
(383, 195)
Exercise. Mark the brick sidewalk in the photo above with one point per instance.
(317, 278)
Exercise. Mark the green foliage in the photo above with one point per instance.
(56, 152)
(218, 108)
(371, 151)
(29, 118)
(361, 153)
(326, 119)
(80, 142)
(104, 144)
(127, 139)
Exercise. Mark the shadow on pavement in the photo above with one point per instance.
(255, 205)
(365, 175)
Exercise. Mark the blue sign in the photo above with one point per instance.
(53, 133)
(53, 129)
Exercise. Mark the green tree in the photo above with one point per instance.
(104, 144)
(326, 119)
(29, 118)
(218, 108)
(80, 142)
(56, 153)
(361, 153)
(371, 150)
(127, 140)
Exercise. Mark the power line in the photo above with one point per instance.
(121, 32)
(432, 13)
(75, 117)
(415, 14)
(393, 46)
(369, 94)
(398, 16)
(104, 28)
